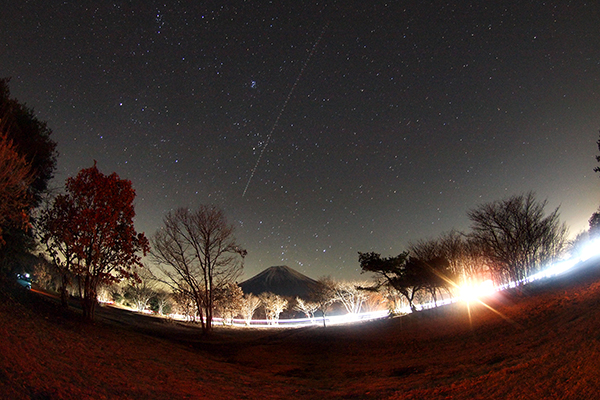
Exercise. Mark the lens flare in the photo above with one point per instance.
(473, 292)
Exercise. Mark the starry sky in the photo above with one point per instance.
(322, 129)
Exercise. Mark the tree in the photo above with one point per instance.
(184, 304)
(249, 305)
(229, 302)
(198, 254)
(58, 235)
(350, 295)
(396, 302)
(15, 178)
(594, 222)
(30, 139)
(436, 276)
(274, 305)
(141, 289)
(324, 295)
(516, 237)
(92, 225)
(376, 301)
(306, 307)
(437, 260)
(400, 272)
(160, 302)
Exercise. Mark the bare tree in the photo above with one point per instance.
(516, 237)
(184, 303)
(161, 301)
(274, 305)
(249, 305)
(198, 254)
(350, 295)
(396, 302)
(324, 295)
(443, 259)
(141, 290)
(375, 300)
(306, 307)
(228, 302)
(466, 263)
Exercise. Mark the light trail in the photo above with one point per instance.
(468, 293)
(298, 322)
(285, 103)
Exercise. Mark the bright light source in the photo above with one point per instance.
(473, 292)
(591, 249)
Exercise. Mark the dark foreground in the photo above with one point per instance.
(543, 343)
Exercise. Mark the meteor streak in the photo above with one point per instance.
(312, 51)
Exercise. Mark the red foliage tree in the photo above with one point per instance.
(15, 178)
(93, 220)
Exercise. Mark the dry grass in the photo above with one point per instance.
(546, 344)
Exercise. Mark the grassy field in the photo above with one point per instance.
(541, 343)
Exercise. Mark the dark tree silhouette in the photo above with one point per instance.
(31, 140)
(408, 276)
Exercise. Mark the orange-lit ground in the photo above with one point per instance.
(548, 347)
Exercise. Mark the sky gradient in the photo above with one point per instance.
(379, 123)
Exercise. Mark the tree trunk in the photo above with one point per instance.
(89, 299)
(64, 294)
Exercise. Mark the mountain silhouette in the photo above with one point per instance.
(281, 280)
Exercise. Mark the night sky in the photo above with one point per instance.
(379, 123)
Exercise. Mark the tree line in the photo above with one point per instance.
(88, 235)
(509, 240)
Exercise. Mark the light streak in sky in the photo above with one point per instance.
(262, 151)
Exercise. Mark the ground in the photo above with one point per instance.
(542, 342)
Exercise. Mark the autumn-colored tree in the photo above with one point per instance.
(197, 253)
(91, 227)
(58, 235)
(30, 139)
(15, 178)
